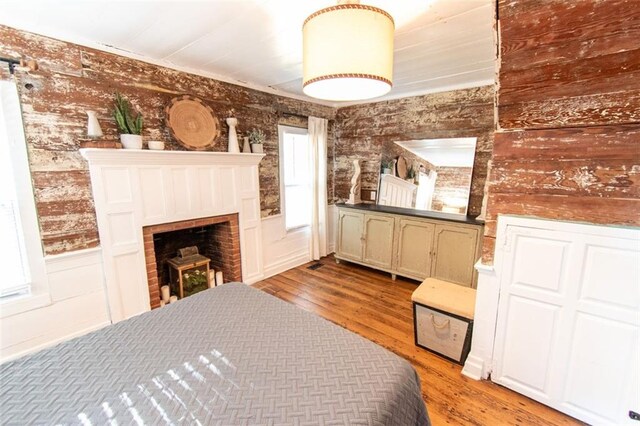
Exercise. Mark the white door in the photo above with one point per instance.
(568, 320)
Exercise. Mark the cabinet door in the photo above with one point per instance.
(568, 329)
(415, 241)
(455, 252)
(350, 235)
(378, 240)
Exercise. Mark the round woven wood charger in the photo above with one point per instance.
(192, 122)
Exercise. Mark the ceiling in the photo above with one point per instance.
(439, 44)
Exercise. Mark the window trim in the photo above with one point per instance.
(39, 294)
(282, 129)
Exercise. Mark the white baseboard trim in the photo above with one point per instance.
(474, 368)
(286, 264)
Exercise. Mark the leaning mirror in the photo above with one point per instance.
(428, 174)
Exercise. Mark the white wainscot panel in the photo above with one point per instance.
(132, 290)
(547, 272)
(217, 187)
(181, 188)
(78, 306)
(119, 189)
(251, 210)
(251, 256)
(248, 181)
(153, 197)
(228, 188)
(526, 352)
(123, 230)
(595, 385)
(283, 250)
(206, 195)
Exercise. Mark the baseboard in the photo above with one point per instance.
(286, 264)
(474, 368)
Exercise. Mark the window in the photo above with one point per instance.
(21, 259)
(295, 175)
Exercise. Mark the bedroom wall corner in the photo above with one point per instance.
(284, 250)
(78, 306)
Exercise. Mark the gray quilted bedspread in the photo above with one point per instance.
(232, 355)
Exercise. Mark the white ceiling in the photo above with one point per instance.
(453, 152)
(439, 44)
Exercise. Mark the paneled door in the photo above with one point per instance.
(378, 240)
(415, 244)
(350, 239)
(568, 320)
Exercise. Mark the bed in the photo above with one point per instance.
(232, 355)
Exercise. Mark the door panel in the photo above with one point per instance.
(378, 240)
(350, 235)
(415, 241)
(525, 360)
(455, 254)
(598, 372)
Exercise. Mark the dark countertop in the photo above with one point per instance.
(425, 214)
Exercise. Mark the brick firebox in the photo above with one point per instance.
(217, 237)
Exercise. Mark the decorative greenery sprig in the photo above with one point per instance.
(124, 115)
(412, 172)
(387, 164)
(256, 136)
(194, 278)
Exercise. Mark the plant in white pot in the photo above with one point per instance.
(129, 122)
(256, 139)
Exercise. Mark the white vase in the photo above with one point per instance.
(93, 126)
(256, 148)
(246, 147)
(131, 141)
(233, 136)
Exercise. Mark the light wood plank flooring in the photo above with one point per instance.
(369, 303)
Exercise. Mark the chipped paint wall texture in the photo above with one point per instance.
(367, 132)
(567, 145)
(73, 79)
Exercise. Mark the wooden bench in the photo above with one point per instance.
(443, 318)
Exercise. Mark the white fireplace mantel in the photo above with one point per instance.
(101, 156)
(137, 188)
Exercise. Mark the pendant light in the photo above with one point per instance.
(347, 52)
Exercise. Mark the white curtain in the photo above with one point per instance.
(318, 167)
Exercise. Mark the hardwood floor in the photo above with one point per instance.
(369, 303)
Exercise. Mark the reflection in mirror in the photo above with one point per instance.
(428, 174)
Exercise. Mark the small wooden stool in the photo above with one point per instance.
(443, 318)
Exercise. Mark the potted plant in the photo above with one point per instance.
(129, 122)
(256, 139)
(412, 174)
(387, 167)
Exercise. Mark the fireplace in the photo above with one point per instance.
(137, 190)
(216, 237)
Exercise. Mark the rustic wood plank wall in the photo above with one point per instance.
(368, 131)
(567, 144)
(73, 79)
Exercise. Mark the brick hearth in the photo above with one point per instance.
(218, 238)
